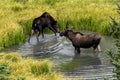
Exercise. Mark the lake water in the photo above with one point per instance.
(61, 52)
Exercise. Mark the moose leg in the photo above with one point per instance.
(39, 31)
(42, 34)
(51, 28)
(94, 50)
(77, 50)
(32, 31)
(37, 37)
(99, 48)
(55, 33)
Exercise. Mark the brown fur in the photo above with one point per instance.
(40, 23)
(77, 36)
(80, 40)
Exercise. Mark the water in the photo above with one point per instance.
(61, 52)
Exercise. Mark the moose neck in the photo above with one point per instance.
(71, 36)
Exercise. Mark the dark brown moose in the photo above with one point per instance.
(40, 23)
(80, 40)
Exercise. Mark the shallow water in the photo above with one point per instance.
(61, 52)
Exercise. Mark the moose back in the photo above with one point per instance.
(40, 23)
(80, 40)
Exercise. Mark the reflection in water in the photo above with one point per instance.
(61, 52)
(78, 62)
(82, 66)
(88, 60)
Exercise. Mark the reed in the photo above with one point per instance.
(16, 16)
(40, 67)
(29, 68)
(12, 57)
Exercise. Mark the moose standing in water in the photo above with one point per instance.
(80, 40)
(40, 23)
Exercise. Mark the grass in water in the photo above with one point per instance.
(28, 68)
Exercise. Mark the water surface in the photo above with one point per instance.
(61, 52)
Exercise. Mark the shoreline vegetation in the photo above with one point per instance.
(15, 67)
(16, 16)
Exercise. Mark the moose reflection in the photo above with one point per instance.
(40, 23)
(80, 40)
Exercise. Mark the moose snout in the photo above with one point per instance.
(61, 34)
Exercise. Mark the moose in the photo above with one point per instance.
(40, 23)
(80, 40)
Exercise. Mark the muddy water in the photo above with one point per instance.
(61, 52)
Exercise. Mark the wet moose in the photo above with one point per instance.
(80, 40)
(40, 23)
